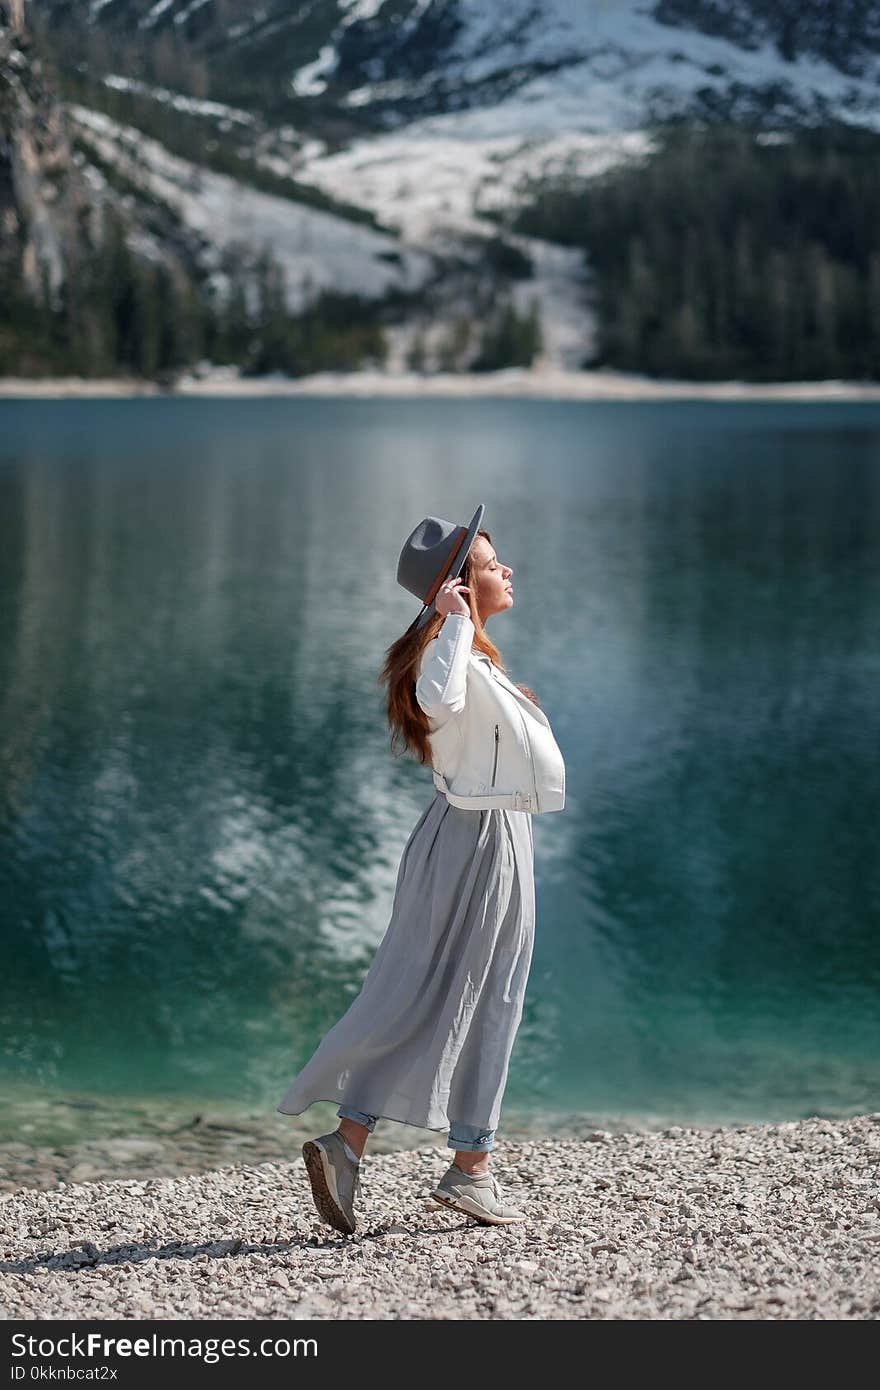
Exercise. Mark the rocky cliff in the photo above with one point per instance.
(48, 213)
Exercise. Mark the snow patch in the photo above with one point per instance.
(310, 81)
(316, 250)
(155, 14)
(430, 176)
(191, 105)
(190, 10)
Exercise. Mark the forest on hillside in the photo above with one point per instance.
(731, 253)
(117, 314)
(725, 253)
(121, 315)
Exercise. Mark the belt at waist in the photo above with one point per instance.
(509, 801)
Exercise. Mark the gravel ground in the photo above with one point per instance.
(746, 1222)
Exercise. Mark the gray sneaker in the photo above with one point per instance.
(477, 1196)
(336, 1181)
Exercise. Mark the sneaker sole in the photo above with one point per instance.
(327, 1206)
(484, 1217)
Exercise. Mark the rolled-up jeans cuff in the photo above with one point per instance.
(346, 1112)
(470, 1138)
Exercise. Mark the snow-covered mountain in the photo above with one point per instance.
(525, 65)
(433, 115)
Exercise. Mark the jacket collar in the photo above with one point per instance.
(503, 679)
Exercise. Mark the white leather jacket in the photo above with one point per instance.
(491, 746)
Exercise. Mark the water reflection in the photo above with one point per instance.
(201, 823)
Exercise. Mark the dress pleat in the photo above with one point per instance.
(428, 1039)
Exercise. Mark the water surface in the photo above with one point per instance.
(201, 819)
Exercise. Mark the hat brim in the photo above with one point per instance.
(455, 568)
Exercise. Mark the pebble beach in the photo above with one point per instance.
(760, 1221)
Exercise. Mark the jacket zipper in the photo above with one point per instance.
(495, 763)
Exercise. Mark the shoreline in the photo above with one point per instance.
(762, 1221)
(129, 1140)
(514, 383)
(50, 1139)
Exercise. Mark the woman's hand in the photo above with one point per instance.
(451, 598)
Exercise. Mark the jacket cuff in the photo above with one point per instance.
(442, 680)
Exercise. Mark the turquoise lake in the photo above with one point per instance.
(201, 819)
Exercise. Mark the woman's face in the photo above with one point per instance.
(491, 580)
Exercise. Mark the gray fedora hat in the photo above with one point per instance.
(436, 550)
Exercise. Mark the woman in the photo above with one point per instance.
(428, 1040)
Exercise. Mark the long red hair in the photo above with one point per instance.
(406, 717)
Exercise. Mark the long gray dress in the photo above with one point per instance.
(428, 1039)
